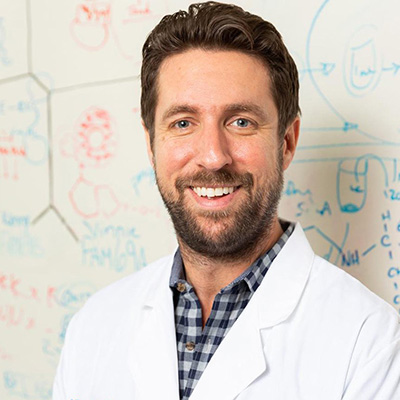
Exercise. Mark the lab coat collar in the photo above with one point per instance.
(285, 281)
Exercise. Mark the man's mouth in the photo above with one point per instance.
(211, 192)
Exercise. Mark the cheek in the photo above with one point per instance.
(261, 161)
(171, 157)
(258, 157)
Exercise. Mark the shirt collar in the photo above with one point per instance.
(252, 276)
(177, 272)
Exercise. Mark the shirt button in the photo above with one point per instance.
(181, 287)
(190, 346)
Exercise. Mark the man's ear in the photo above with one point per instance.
(148, 144)
(290, 142)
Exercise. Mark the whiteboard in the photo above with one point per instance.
(78, 203)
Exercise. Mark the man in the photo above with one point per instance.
(243, 309)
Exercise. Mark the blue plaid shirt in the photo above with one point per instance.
(196, 345)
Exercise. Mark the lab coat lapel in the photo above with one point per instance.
(238, 361)
(241, 356)
(153, 358)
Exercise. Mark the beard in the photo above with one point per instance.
(225, 235)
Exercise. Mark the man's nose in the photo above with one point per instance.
(213, 150)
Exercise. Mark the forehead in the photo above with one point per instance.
(213, 78)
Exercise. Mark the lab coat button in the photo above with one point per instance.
(181, 287)
(190, 346)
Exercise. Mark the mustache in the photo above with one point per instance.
(221, 177)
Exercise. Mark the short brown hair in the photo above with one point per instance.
(217, 26)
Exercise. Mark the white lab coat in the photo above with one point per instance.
(310, 332)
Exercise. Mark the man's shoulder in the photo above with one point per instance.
(337, 288)
(128, 292)
(321, 282)
(139, 280)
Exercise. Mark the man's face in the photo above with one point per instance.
(216, 151)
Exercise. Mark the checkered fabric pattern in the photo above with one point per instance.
(196, 345)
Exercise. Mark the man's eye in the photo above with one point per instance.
(182, 124)
(241, 123)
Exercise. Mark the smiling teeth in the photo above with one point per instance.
(213, 192)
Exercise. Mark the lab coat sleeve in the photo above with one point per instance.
(375, 369)
(60, 384)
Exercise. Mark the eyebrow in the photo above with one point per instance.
(230, 108)
(177, 109)
(247, 107)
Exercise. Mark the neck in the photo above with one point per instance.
(209, 275)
